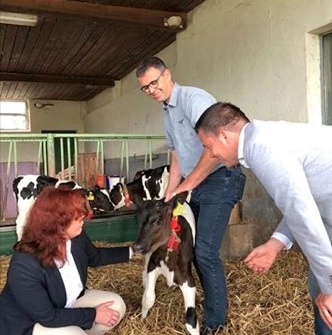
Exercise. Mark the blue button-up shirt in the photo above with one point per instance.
(183, 110)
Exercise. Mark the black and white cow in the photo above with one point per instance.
(147, 184)
(26, 188)
(166, 238)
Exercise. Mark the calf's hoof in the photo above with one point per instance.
(144, 314)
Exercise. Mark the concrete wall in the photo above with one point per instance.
(59, 115)
(259, 54)
(262, 55)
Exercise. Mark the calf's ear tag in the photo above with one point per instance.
(178, 210)
(90, 197)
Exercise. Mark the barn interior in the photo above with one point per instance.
(68, 52)
(71, 63)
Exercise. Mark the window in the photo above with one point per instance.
(327, 78)
(14, 116)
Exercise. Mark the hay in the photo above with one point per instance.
(272, 304)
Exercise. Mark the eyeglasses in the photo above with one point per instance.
(152, 84)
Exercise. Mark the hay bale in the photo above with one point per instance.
(273, 304)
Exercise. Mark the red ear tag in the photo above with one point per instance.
(174, 224)
(127, 199)
(173, 243)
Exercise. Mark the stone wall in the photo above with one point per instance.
(252, 221)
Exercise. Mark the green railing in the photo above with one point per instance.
(69, 146)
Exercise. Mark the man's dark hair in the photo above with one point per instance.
(220, 114)
(150, 62)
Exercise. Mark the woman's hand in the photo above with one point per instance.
(106, 315)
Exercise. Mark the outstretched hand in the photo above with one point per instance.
(263, 257)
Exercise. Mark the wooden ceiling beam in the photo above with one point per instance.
(41, 78)
(152, 17)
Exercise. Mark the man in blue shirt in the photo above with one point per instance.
(215, 189)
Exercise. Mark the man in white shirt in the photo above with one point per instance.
(293, 161)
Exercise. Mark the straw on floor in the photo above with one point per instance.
(274, 304)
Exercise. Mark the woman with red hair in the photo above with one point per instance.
(45, 292)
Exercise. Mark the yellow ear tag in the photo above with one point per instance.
(178, 210)
(90, 197)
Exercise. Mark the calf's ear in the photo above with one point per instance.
(181, 198)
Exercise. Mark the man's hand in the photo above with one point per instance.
(263, 257)
(169, 196)
(324, 304)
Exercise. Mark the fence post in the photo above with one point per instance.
(50, 155)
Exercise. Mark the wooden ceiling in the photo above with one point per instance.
(79, 48)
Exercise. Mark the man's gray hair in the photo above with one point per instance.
(150, 62)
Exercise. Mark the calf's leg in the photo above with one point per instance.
(145, 271)
(189, 295)
(149, 295)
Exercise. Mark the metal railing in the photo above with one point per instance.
(69, 146)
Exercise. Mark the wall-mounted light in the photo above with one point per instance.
(173, 22)
(19, 19)
(40, 105)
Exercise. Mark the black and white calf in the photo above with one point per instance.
(147, 184)
(166, 238)
(26, 188)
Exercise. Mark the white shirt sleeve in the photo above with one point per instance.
(283, 177)
(283, 239)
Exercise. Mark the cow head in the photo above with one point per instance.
(120, 195)
(99, 200)
(154, 217)
(116, 195)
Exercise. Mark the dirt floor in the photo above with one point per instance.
(272, 304)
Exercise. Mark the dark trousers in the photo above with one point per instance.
(212, 202)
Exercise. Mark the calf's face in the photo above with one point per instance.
(153, 217)
(99, 200)
(116, 196)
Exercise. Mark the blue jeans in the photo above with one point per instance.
(320, 326)
(212, 202)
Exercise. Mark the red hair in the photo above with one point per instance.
(48, 219)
